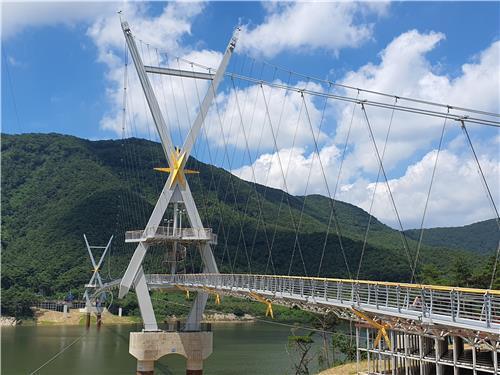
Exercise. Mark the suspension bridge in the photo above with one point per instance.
(401, 328)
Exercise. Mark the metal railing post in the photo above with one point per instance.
(487, 303)
(398, 290)
(452, 306)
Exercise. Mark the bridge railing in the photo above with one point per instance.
(479, 306)
(171, 233)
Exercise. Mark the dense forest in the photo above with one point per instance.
(55, 188)
(481, 237)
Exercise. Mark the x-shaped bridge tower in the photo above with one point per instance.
(95, 281)
(176, 190)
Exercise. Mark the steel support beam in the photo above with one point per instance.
(179, 73)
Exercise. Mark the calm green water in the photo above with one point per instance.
(241, 348)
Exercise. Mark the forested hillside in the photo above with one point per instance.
(55, 188)
(481, 237)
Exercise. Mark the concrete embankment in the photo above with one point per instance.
(75, 317)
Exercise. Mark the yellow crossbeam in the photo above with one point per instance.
(269, 308)
(382, 328)
(210, 291)
(184, 290)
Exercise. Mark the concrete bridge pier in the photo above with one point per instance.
(148, 347)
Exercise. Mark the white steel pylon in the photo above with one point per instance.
(176, 190)
(95, 281)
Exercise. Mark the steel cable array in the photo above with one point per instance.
(225, 157)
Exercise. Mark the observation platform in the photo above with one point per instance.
(169, 234)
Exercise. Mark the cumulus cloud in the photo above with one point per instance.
(17, 16)
(158, 39)
(457, 197)
(405, 71)
(309, 26)
(294, 170)
(255, 117)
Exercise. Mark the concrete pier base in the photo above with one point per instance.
(148, 347)
(145, 367)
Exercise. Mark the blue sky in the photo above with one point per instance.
(65, 62)
(51, 60)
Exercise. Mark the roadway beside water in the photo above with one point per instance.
(244, 348)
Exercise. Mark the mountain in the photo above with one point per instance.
(482, 237)
(56, 187)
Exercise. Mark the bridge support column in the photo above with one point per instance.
(87, 320)
(458, 348)
(394, 359)
(98, 320)
(441, 346)
(145, 367)
(148, 347)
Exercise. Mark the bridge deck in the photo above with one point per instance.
(459, 308)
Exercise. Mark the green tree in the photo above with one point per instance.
(18, 302)
(300, 347)
(430, 274)
(345, 345)
(461, 274)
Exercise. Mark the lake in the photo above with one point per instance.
(244, 348)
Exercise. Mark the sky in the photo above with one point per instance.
(63, 69)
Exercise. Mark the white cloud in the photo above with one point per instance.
(177, 97)
(405, 71)
(294, 170)
(458, 196)
(17, 16)
(283, 118)
(307, 26)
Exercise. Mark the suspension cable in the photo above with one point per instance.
(359, 89)
(490, 196)
(381, 165)
(427, 200)
(332, 201)
(422, 111)
(365, 241)
(285, 190)
(266, 183)
(257, 195)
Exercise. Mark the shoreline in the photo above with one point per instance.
(43, 317)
